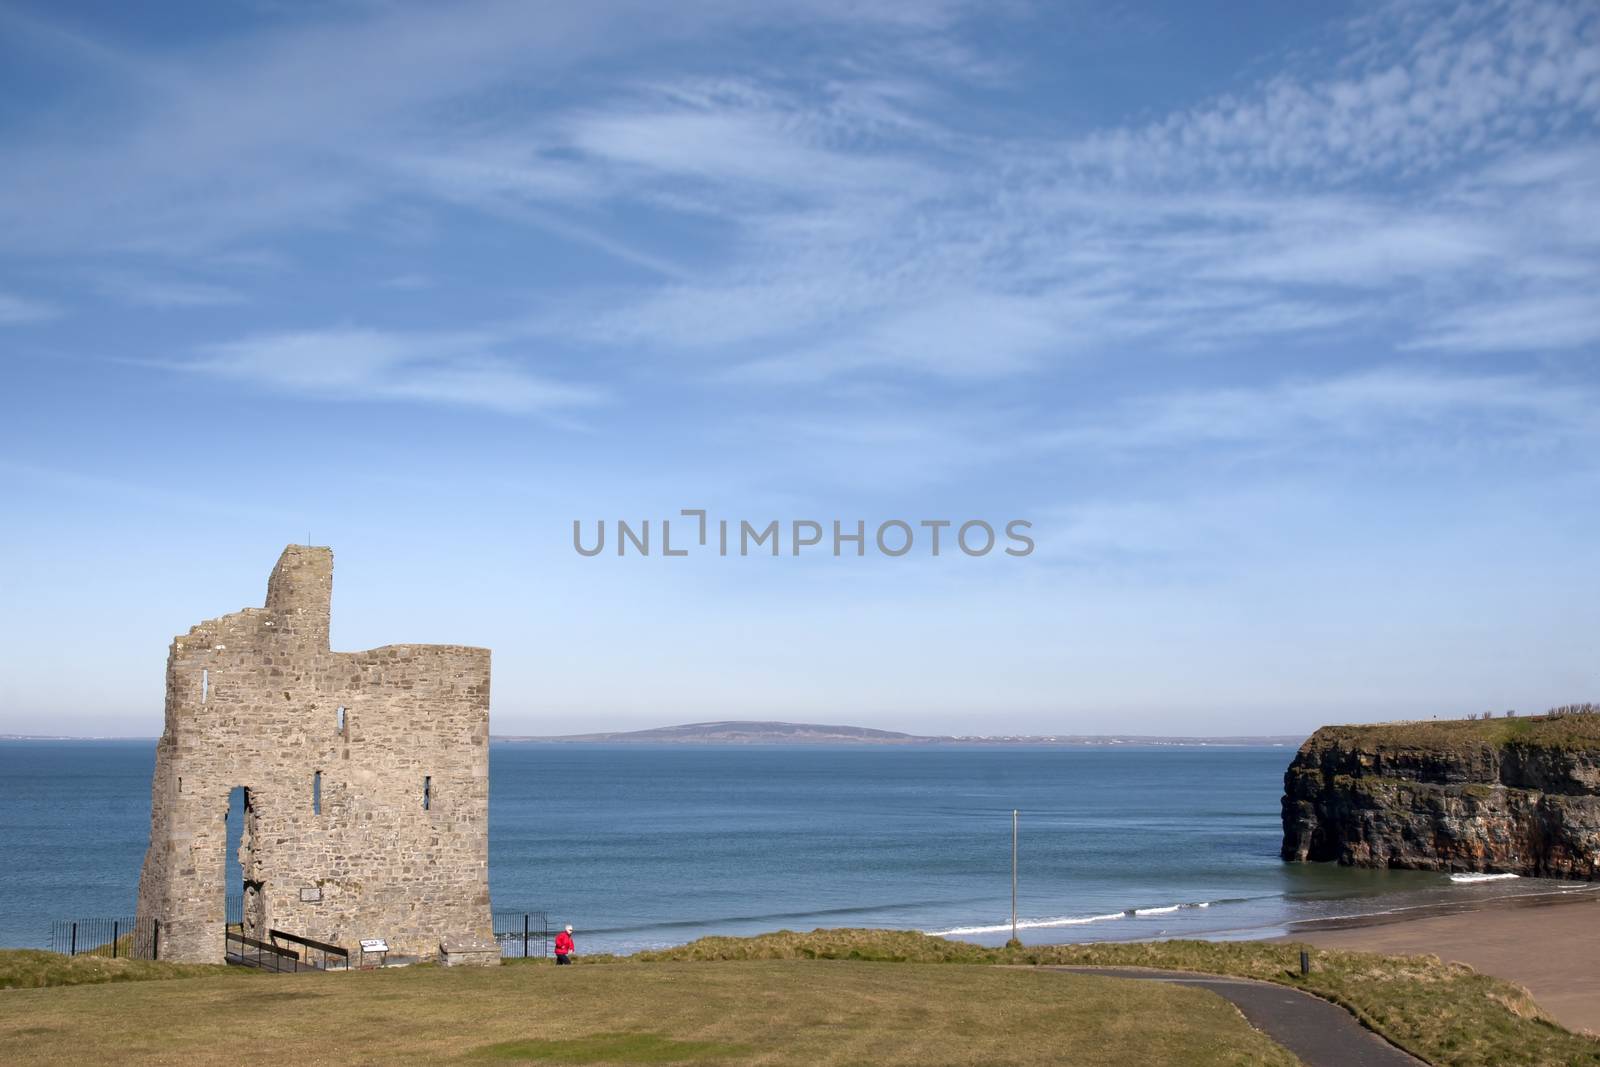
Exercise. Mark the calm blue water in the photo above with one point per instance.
(641, 846)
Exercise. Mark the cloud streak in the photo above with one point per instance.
(163, 292)
(16, 310)
(1389, 406)
(465, 370)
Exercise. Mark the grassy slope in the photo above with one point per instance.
(763, 990)
(1445, 1013)
(757, 1012)
(33, 969)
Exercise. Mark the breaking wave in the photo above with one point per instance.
(1467, 878)
(1069, 920)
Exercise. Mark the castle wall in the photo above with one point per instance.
(376, 828)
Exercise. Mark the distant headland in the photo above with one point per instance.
(1509, 795)
(740, 732)
(756, 732)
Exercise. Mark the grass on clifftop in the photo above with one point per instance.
(1542, 731)
(770, 1012)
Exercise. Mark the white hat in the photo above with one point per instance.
(569, 928)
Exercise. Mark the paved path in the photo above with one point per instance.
(1320, 1033)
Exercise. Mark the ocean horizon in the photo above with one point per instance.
(644, 846)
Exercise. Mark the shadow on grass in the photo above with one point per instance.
(607, 1048)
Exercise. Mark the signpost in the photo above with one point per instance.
(377, 946)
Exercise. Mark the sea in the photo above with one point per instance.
(647, 846)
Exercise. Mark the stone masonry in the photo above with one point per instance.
(366, 778)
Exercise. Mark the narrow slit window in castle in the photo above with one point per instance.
(342, 721)
(427, 792)
(316, 793)
(205, 684)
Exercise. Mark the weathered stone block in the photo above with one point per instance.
(469, 953)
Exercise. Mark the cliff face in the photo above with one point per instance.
(1514, 795)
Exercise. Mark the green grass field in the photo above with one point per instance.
(1444, 1013)
(827, 997)
(740, 1012)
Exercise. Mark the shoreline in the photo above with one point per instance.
(1548, 943)
(1392, 916)
(1072, 930)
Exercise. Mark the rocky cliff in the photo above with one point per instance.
(1513, 795)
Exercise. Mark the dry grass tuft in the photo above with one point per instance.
(34, 969)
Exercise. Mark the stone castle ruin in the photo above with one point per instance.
(365, 779)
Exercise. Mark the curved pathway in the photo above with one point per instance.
(1320, 1033)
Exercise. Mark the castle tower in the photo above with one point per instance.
(366, 779)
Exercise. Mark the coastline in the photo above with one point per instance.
(1547, 943)
(1301, 929)
(1124, 925)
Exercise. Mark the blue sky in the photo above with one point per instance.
(1279, 323)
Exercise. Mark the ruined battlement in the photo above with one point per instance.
(300, 593)
(366, 780)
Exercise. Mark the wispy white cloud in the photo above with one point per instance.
(164, 292)
(1315, 202)
(736, 146)
(969, 335)
(409, 281)
(468, 370)
(1544, 323)
(1421, 179)
(301, 125)
(1420, 85)
(1389, 405)
(1261, 437)
(1194, 534)
(122, 491)
(19, 309)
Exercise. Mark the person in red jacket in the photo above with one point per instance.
(564, 946)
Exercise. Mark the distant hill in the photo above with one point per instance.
(799, 733)
(745, 733)
(68, 737)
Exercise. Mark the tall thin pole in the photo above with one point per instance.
(1013, 874)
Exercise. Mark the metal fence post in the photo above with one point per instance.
(525, 918)
(113, 939)
(155, 941)
(74, 951)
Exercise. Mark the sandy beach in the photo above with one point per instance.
(1552, 949)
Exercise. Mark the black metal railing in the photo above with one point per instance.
(113, 937)
(327, 957)
(248, 952)
(522, 933)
